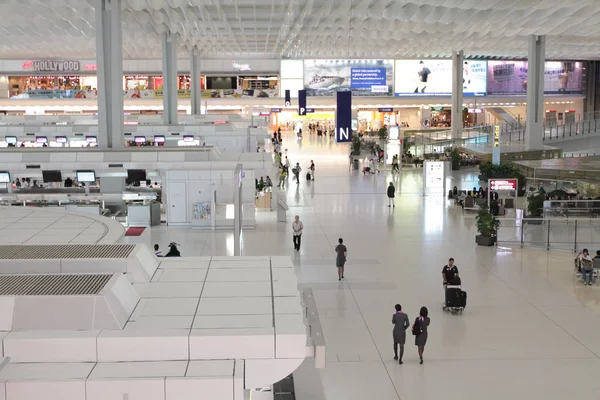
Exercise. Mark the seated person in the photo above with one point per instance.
(597, 254)
(450, 272)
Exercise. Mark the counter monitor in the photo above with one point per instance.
(4, 177)
(136, 175)
(159, 139)
(51, 176)
(11, 140)
(41, 139)
(188, 138)
(86, 176)
(91, 139)
(140, 139)
(61, 139)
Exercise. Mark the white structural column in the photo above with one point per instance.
(534, 133)
(458, 60)
(109, 59)
(195, 77)
(169, 65)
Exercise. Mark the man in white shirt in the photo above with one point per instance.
(586, 264)
(297, 227)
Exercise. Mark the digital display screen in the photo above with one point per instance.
(136, 175)
(11, 139)
(91, 139)
(52, 176)
(86, 176)
(61, 139)
(188, 138)
(4, 177)
(41, 139)
(159, 139)
(140, 139)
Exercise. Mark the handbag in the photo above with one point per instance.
(416, 328)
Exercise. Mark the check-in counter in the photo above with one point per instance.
(143, 215)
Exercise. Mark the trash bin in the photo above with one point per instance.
(355, 164)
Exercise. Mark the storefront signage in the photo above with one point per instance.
(275, 110)
(53, 65)
(385, 110)
(475, 110)
(437, 108)
(241, 67)
(310, 110)
(503, 184)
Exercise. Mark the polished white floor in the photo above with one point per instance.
(530, 331)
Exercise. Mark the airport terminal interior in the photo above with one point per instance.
(274, 200)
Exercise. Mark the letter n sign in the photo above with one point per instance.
(343, 117)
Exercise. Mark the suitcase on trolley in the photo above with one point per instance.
(453, 296)
(462, 299)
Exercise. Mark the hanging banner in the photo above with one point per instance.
(343, 117)
(288, 98)
(301, 102)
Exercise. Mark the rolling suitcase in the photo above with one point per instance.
(308, 176)
(462, 299)
(453, 297)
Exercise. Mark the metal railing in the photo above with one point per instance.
(577, 129)
(551, 234)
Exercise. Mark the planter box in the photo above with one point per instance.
(485, 240)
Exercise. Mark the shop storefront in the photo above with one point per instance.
(290, 120)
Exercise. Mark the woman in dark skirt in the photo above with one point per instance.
(420, 331)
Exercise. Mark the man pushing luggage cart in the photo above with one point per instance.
(455, 299)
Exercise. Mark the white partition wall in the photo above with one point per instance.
(190, 198)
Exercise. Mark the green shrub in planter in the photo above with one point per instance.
(487, 226)
(455, 157)
(535, 205)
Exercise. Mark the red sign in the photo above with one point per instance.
(91, 67)
(503, 184)
(27, 65)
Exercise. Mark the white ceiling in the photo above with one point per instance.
(308, 28)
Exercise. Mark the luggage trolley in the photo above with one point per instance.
(455, 299)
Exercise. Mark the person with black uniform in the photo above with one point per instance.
(68, 182)
(450, 273)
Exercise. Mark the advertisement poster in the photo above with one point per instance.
(434, 78)
(510, 77)
(362, 77)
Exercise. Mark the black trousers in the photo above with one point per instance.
(297, 240)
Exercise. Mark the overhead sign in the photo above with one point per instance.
(288, 98)
(503, 184)
(496, 135)
(343, 117)
(53, 65)
(301, 102)
(241, 67)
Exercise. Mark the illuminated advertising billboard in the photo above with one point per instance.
(362, 77)
(434, 78)
(510, 77)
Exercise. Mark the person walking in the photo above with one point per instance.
(401, 323)
(296, 170)
(297, 227)
(282, 176)
(340, 259)
(391, 193)
(419, 329)
(312, 170)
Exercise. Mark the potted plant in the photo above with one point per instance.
(487, 226)
(455, 158)
(535, 208)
